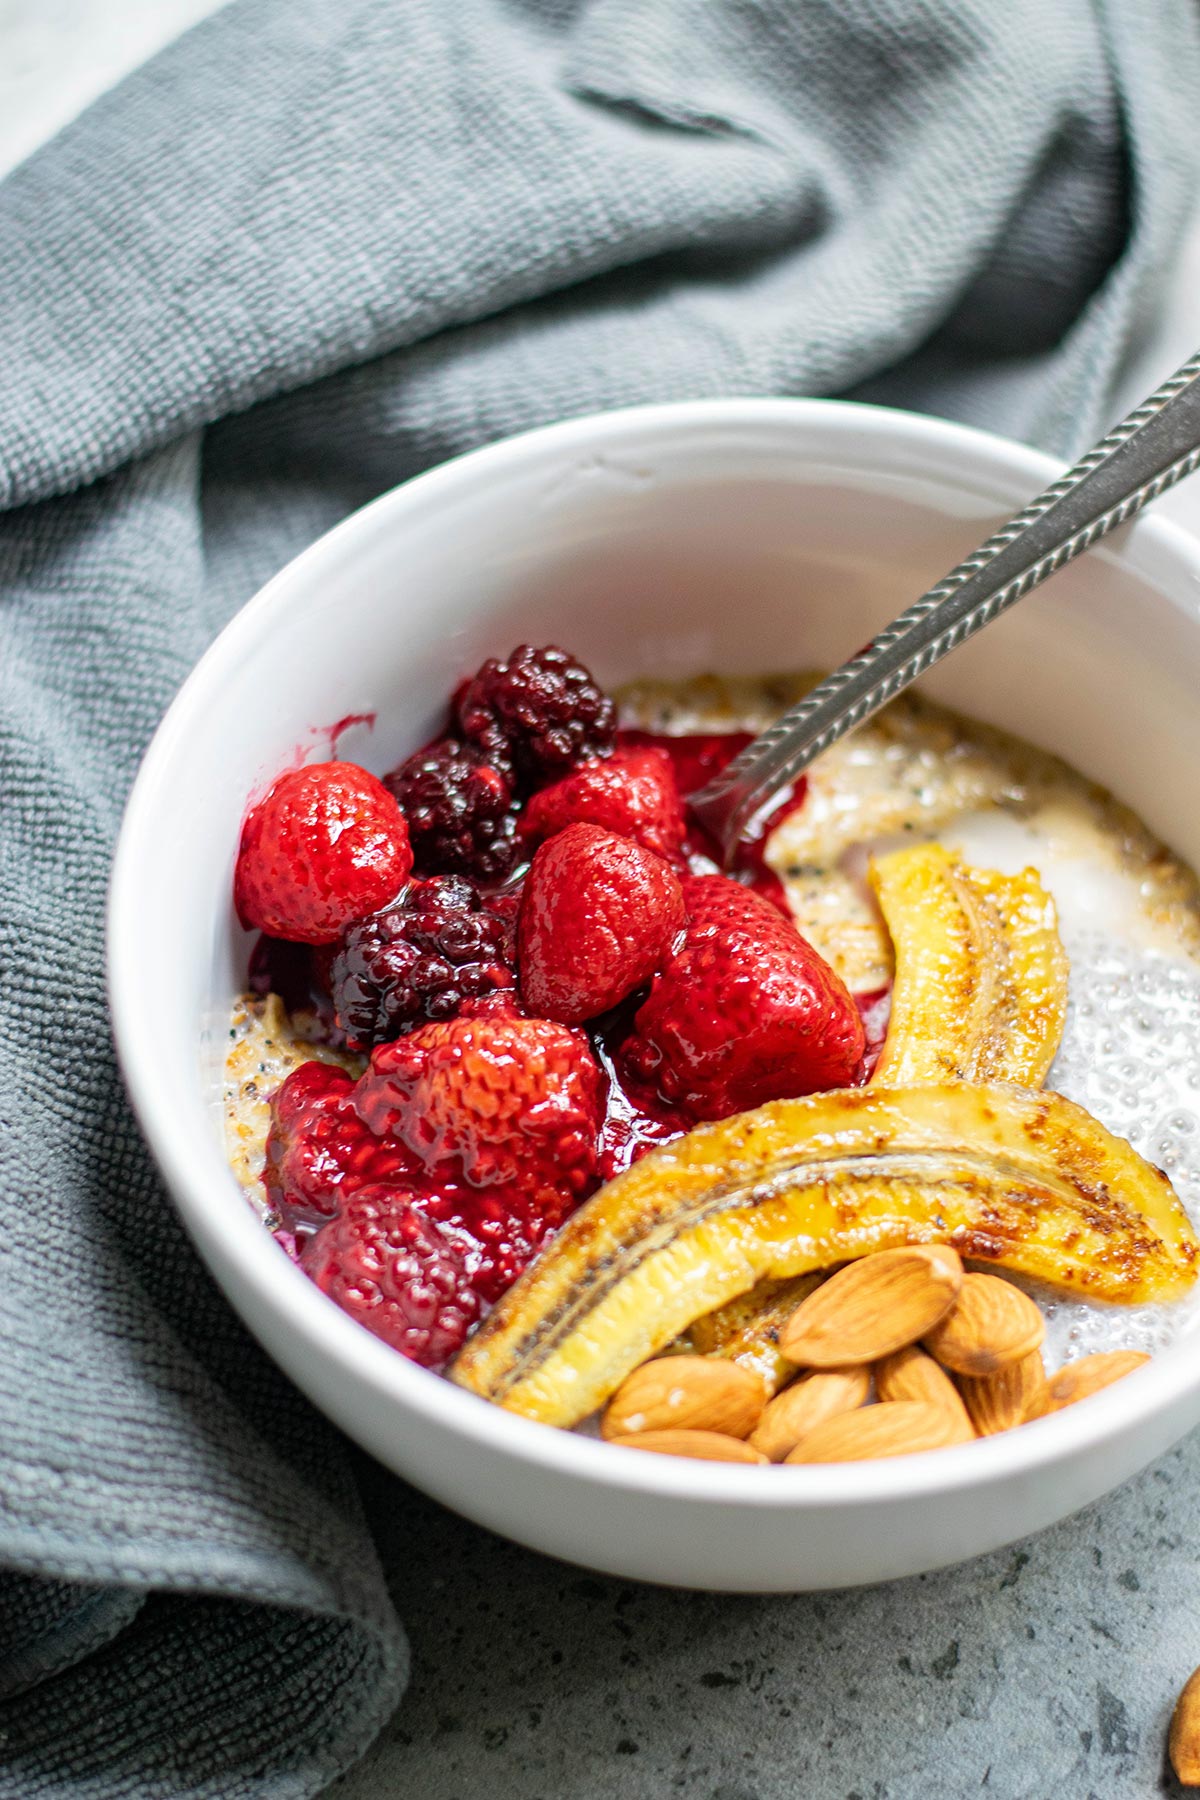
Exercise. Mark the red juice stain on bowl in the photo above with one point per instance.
(698, 758)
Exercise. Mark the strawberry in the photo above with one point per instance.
(632, 792)
(397, 1273)
(319, 1150)
(326, 845)
(745, 1012)
(598, 916)
(492, 1100)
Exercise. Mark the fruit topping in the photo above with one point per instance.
(981, 976)
(424, 958)
(326, 845)
(744, 1012)
(493, 1101)
(538, 713)
(1028, 1181)
(632, 792)
(459, 809)
(318, 1149)
(397, 1273)
(598, 917)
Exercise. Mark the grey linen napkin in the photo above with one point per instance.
(309, 250)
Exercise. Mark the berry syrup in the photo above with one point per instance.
(697, 759)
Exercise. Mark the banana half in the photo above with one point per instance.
(1026, 1180)
(981, 976)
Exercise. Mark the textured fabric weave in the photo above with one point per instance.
(307, 251)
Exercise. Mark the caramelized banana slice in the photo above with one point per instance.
(1029, 1181)
(981, 976)
(746, 1330)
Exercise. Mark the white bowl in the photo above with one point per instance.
(738, 535)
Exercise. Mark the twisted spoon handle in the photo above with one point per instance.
(1148, 452)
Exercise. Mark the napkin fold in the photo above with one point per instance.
(308, 250)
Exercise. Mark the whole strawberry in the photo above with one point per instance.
(328, 844)
(319, 1150)
(598, 916)
(492, 1100)
(632, 792)
(744, 1013)
(397, 1273)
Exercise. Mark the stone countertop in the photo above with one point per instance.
(1047, 1669)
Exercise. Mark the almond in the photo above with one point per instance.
(873, 1307)
(1183, 1744)
(806, 1403)
(896, 1428)
(998, 1402)
(911, 1375)
(990, 1325)
(1086, 1376)
(710, 1446)
(686, 1393)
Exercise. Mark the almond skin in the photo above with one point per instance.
(1087, 1376)
(709, 1446)
(686, 1393)
(912, 1375)
(1183, 1744)
(991, 1325)
(895, 1428)
(805, 1404)
(1001, 1401)
(874, 1306)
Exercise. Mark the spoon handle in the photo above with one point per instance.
(1155, 446)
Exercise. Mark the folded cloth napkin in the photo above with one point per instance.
(309, 250)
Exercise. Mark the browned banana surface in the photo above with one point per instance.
(980, 990)
(1026, 1180)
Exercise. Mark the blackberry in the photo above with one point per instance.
(459, 810)
(422, 959)
(540, 711)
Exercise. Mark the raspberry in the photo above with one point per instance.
(495, 1101)
(632, 792)
(498, 1230)
(459, 811)
(327, 844)
(421, 959)
(318, 1149)
(598, 917)
(744, 1013)
(539, 713)
(397, 1273)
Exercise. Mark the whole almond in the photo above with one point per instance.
(998, 1402)
(686, 1393)
(990, 1325)
(910, 1374)
(895, 1428)
(1183, 1744)
(1077, 1380)
(874, 1306)
(814, 1397)
(709, 1446)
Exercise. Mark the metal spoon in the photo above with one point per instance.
(1147, 453)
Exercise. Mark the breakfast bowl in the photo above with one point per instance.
(737, 536)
